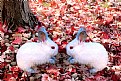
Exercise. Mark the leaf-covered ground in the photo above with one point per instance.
(62, 19)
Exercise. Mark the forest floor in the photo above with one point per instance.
(62, 19)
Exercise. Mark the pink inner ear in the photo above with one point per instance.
(80, 38)
(42, 37)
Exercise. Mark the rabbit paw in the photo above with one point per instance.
(93, 70)
(52, 60)
(71, 60)
(30, 70)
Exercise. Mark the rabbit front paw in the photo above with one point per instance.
(30, 70)
(93, 70)
(71, 60)
(52, 60)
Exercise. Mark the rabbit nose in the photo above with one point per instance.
(71, 47)
(52, 47)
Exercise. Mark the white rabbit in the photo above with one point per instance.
(89, 53)
(36, 53)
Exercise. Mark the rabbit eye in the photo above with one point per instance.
(52, 47)
(71, 47)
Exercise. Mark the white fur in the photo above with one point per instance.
(33, 53)
(90, 53)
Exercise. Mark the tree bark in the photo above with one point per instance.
(17, 13)
(1, 7)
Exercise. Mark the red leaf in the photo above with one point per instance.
(4, 48)
(77, 1)
(68, 31)
(7, 77)
(40, 1)
(55, 38)
(109, 19)
(11, 48)
(105, 35)
(1, 25)
(17, 40)
(2, 64)
(35, 39)
(63, 9)
(20, 30)
(12, 79)
(74, 70)
(50, 31)
(64, 43)
(40, 24)
(15, 74)
(15, 68)
(73, 28)
(63, 1)
(53, 4)
(115, 78)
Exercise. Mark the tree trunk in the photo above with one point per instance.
(16, 13)
(1, 7)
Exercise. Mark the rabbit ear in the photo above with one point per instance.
(42, 34)
(81, 34)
